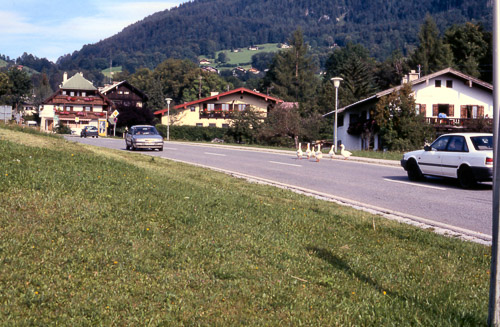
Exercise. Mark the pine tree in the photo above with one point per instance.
(432, 54)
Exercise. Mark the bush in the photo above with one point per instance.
(192, 133)
(62, 129)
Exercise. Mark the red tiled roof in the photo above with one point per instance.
(216, 97)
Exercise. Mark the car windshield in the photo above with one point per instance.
(482, 143)
(145, 131)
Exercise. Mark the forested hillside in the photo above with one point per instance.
(205, 26)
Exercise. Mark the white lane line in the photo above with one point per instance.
(215, 154)
(283, 163)
(415, 184)
(170, 148)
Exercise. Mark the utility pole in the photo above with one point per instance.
(494, 300)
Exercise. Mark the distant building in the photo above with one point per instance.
(77, 103)
(253, 48)
(204, 62)
(448, 99)
(218, 109)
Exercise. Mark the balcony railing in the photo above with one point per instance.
(216, 114)
(465, 122)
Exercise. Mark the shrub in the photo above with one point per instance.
(192, 133)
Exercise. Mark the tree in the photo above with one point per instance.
(292, 73)
(19, 87)
(42, 91)
(468, 45)
(222, 57)
(400, 127)
(245, 125)
(432, 54)
(282, 126)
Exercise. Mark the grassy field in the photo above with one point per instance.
(91, 236)
(244, 56)
(108, 71)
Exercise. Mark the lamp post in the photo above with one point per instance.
(168, 118)
(336, 84)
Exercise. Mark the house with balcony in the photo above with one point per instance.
(217, 109)
(76, 104)
(448, 99)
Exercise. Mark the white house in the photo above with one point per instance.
(447, 97)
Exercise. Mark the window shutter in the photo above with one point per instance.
(451, 110)
(422, 109)
(435, 109)
(480, 112)
(463, 111)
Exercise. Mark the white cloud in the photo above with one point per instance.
(63, 33)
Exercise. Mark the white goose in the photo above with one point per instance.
(313, 153)
(319, 154)
(299, 151)
(332, 153)
(344, 153)
(308, 151)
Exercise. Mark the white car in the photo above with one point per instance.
(467, 157)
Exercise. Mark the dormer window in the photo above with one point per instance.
(437, 83)
(449, 84)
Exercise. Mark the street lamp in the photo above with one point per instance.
(336, 84)
(168, 118)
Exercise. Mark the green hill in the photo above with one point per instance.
(203, 27)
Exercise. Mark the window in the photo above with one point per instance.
(192, 108)
(84, 94)
(417, 109)
(437, 83)
(199, 124)
(139, 104)
(212, 125)
(87, 108)
(225, 125)
(126, 92)
(68, 108)
(241, 107)
(457, 144)
(63, 92)
(340, 120)
(72, 93)
(225, 107)
(449, 84)
(471, 111)
(353, 118)
(211, 107)
(440, 143)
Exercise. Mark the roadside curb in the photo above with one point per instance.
(394, 163)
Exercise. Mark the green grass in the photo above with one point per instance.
(244, 56)
(91, 236)
(107, 72)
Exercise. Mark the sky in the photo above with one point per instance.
(52, 28)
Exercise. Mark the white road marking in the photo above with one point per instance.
(215, 154)
(170, 148)
(283, 163)
(415, 184)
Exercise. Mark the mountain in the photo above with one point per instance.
(202, 27)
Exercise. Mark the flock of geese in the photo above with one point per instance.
(318, 154)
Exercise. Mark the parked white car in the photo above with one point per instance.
(467, 157)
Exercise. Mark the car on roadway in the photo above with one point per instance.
(467, 157)
(89, 131)
(143, 137)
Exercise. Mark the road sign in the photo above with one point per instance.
(115, 114)
(77, 119)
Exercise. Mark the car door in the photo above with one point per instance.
(453, 156)
(430, 160)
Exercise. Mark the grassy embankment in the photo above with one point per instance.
(90, 236)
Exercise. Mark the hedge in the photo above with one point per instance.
(192, 133)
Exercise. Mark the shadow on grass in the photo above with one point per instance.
(453, 314)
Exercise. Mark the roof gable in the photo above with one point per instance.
(240, 90)
(78, 82)
(448, 71)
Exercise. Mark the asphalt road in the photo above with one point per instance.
(382, 187)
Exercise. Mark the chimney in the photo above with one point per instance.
(413, 75)
(65, 77)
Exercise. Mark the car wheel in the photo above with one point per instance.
(97, 136)
(414, 173)
(466, 178)
(127, 146)
(160, 149)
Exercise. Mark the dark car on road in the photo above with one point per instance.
(89, 131)
(143, 137)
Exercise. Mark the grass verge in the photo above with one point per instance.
(91, 236)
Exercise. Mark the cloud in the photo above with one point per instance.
(71, 27)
